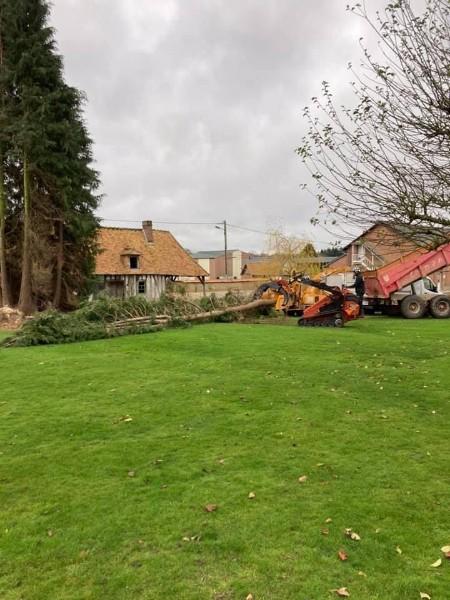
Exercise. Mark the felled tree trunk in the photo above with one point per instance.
(204, 316)
(162, 321)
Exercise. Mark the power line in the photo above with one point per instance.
(163, 222)
(240, 227)
(247, 229)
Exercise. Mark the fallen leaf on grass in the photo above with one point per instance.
(437, 563)
(425, 596)
(124, 419)
(325, 531)
(352, 535)
(399, 550)
(131, 473)
(328, 520)
(342, 592)
(251, 496)
(342, 555)
(211, 507)
(193, 538)
(445, 549)
(50, 533)
(249, 597)
(302, 478)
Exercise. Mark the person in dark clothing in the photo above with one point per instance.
(360, 289)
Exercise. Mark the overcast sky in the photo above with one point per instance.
(195, 106)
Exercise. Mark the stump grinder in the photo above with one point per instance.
(333, 310)
(316, 303)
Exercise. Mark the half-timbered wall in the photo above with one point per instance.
(125, 286)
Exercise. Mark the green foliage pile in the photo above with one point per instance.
(53, 327)
(93, 320)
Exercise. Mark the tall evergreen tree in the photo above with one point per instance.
(50, 145)
(4, 103)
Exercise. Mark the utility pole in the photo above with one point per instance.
(226, 246)
(225, 238)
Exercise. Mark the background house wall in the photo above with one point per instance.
(379, 246)
(214, 262)
(219, 287)
(126, 286)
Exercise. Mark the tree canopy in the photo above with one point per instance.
(47, 183)
(288, 254)
(387, 158)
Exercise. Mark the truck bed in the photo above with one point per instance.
(383, 282)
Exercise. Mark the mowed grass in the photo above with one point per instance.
(97, 506)
(4, 334)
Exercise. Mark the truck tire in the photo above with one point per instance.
(413, 307)
(440, 307)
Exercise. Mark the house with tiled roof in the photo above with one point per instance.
(380, 245)
(133, 262)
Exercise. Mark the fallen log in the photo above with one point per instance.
(230, 309)
(133, 320)
(164, 320)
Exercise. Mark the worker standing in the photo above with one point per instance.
(360, 289)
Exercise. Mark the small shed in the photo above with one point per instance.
(142, 261)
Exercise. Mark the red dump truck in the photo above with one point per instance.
(404, 286)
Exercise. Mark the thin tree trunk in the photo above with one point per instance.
(25, 298)
(5, 298)
(4, 286)
(59, 265)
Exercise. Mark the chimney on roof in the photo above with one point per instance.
(147, 227)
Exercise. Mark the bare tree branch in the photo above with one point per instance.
(388, 157)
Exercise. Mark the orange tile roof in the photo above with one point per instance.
(163, 256)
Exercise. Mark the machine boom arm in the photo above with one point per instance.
(319, 285)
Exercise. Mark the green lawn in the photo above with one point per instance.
(97, 506)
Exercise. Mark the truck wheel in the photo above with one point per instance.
(440, 307)
(413, 307)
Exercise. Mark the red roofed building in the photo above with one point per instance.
(135, 262)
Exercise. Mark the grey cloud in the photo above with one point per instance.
(195, 105)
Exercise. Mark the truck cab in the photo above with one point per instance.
(425, 288)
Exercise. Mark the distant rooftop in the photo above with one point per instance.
(211, 253)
